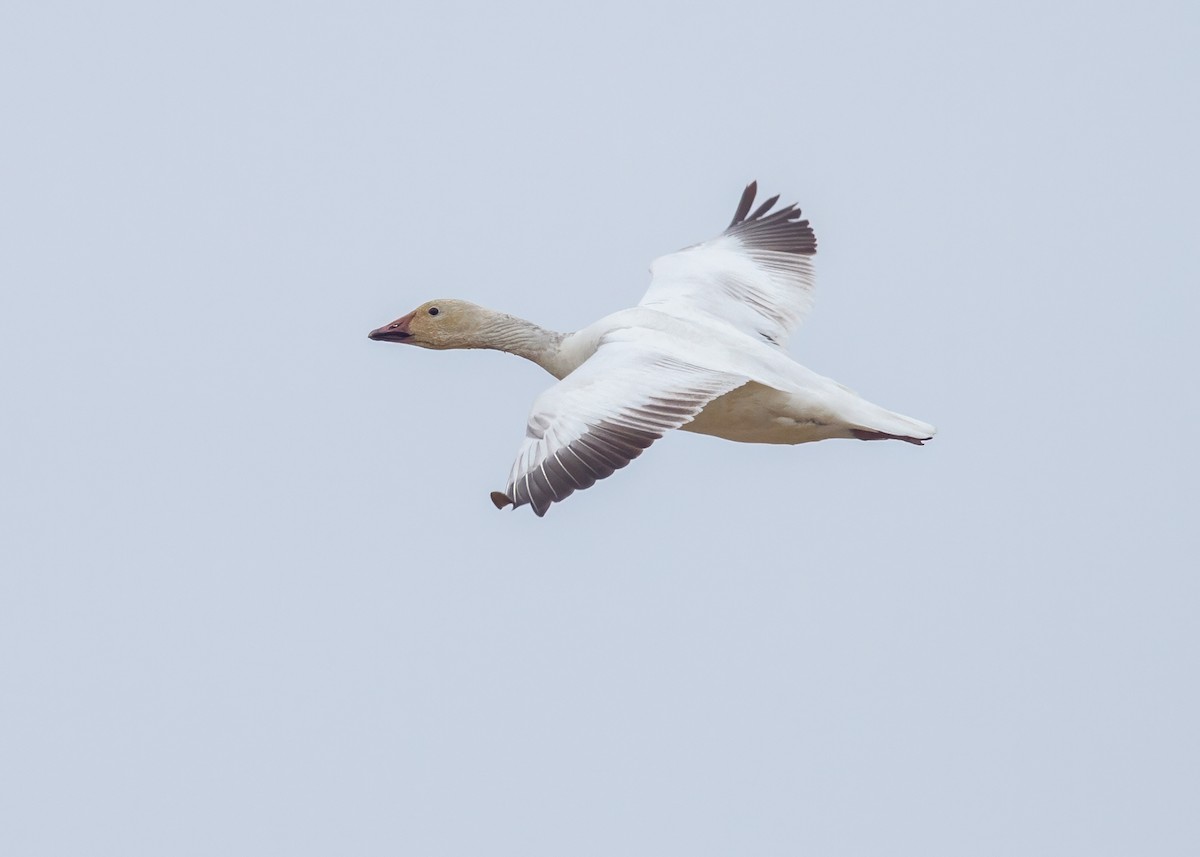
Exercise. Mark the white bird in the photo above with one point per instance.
(702, 352)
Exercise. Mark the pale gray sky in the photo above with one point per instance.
(254, 597)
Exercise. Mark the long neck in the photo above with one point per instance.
(523, 338)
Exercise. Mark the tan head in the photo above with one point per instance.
(436, 324)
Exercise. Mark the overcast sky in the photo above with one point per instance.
(255, 599)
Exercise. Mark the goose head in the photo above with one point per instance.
(437, 324)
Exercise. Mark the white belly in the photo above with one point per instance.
(754, 413)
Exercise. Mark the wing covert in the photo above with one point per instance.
(602, 416)
(757, 275)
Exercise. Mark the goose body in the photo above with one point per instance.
(702, 352)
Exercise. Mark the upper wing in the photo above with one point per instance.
(756, 275)
(601, 416)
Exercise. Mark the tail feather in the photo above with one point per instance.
(863, 434)
(882, 424)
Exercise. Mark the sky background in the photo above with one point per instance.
(254, 598)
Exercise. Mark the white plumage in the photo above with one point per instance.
(701, 352)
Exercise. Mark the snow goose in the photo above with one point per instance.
(702, 352)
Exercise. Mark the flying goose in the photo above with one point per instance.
(702, 352)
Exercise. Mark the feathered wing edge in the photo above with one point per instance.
(782, 231)
(761, 264)
(573, 440)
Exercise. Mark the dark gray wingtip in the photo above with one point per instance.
(744, 204)
(781, 231)
(764, 208)
(500, 500)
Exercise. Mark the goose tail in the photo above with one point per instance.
(883, 424)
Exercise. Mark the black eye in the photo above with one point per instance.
(433, 310)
